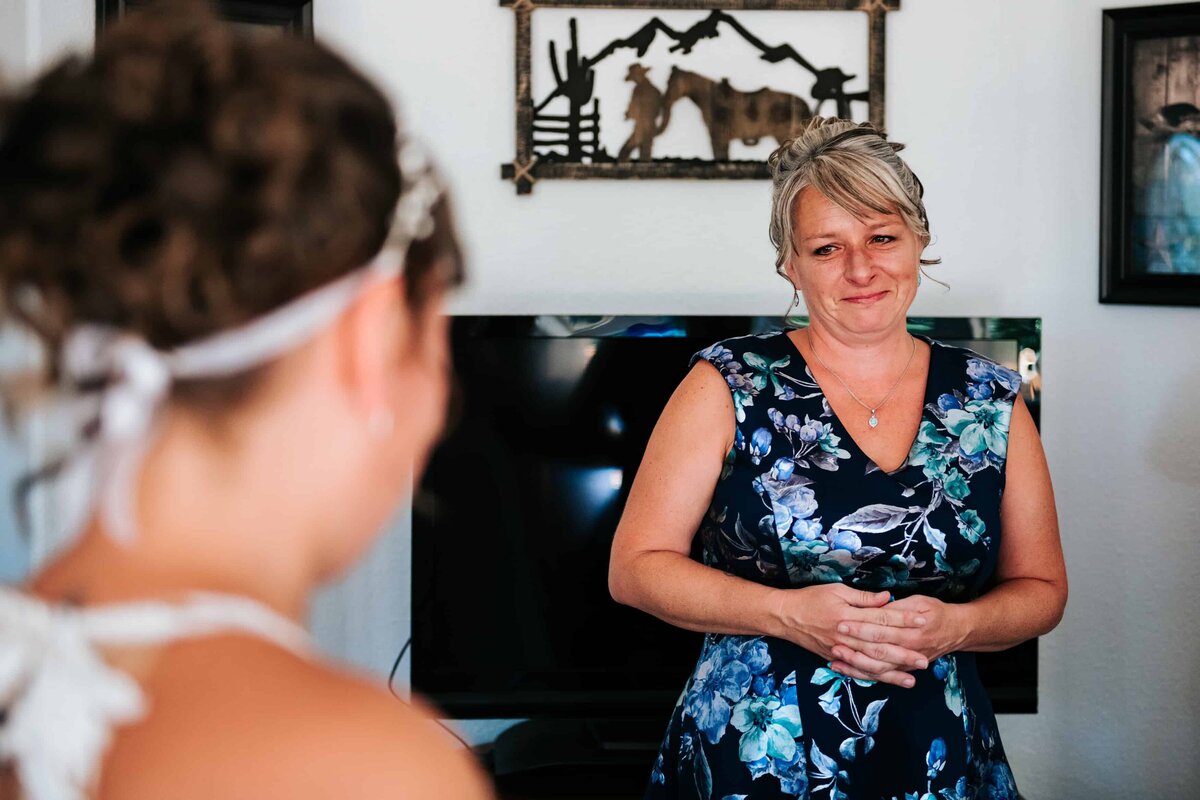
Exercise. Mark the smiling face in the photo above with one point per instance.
(858, 276)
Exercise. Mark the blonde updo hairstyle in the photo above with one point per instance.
(852, 164)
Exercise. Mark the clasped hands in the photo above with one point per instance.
(865, 636)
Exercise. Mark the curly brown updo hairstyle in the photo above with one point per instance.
(186, 179)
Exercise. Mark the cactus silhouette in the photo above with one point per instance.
(577, 88)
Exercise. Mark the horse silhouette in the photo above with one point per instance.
(731, 114)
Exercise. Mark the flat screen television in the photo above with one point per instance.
(515, 515)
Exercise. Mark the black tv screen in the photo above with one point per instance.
(515, 516)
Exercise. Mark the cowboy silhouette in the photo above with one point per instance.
(643, 109)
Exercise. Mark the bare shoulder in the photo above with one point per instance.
(237, 717)
(701, 403)
(1024, 442)
(705, 375)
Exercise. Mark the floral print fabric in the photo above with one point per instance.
(799, 504)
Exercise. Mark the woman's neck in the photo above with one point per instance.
(862, 357)
(208, 519)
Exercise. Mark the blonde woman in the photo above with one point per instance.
(874, 507)
(237, 265)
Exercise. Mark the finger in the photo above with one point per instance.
(842, 668)
(910, 638)
(893, 677)
(865, 663)
(863, 598)
(890, 616)
(890, 653)
(916, 603)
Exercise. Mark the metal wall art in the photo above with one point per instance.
(253, 17)
(675, 88)
(1150, 168)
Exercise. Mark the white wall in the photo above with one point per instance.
(1000, 105)
(32, 33)
(14, 550)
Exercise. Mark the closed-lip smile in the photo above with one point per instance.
(866, 298)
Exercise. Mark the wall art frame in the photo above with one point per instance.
(1150, 156)
(526, 168)
(294, 17)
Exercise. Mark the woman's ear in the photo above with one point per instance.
(371, 335)
(790, 271)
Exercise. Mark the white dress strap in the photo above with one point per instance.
(61, 701)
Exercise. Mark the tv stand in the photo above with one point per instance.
(576, 758)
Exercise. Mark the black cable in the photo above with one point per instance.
(391, 677)
(396, 666)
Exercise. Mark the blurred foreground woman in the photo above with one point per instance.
(236, 263)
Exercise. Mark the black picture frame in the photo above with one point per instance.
(525, 169)
(293, 17)
(1123, 30)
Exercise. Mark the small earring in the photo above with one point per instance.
(381, 423)
(918, 279)
(795, 302)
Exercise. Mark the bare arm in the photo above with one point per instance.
(1031, 576)
(650, 568)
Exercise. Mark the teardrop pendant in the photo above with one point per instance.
(874, 420)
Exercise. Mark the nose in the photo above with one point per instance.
(859, 269)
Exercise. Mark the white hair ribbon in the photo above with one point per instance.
(62, 700)
(134, 379)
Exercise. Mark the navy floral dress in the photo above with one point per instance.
(799, 504)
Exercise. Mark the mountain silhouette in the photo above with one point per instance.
(707, 28)
(710, 28)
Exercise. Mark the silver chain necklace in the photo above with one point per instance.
(874, 420)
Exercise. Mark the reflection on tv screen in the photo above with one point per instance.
(524, 497)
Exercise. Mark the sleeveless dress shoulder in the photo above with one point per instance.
(60, 701)
(797, 504)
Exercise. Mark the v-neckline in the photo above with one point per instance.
(926, 399)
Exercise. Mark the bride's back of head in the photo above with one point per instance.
(186, 180)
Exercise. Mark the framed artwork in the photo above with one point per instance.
(1150, 148)
(254, 17)
(684, 88)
